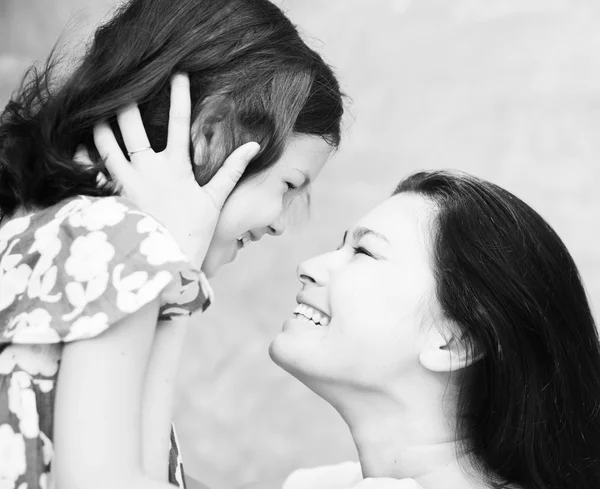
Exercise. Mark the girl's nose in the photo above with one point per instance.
(277, 227)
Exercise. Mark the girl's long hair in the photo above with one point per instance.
(530, 409)
(251, 77)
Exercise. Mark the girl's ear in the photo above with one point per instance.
(446, 352)
(211, 133)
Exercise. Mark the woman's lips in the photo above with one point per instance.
(312, 314)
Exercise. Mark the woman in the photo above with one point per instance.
(93, 282)
(452, 333)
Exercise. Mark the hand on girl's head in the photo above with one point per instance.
(163, 184)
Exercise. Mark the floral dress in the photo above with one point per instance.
(69, 272)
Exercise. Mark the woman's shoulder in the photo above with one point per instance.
(339, 476)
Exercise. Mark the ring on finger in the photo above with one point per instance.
(138, 150)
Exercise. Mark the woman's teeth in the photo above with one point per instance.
(311, 313)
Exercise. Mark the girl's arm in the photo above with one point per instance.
(98, 408)
(159, 395)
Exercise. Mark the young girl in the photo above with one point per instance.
(452, 333)
(95, 288)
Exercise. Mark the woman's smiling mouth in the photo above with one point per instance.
(317, 317)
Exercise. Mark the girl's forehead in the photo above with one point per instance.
(306, 153)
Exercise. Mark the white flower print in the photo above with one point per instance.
(32, 327)
(79, 296)
(45, 481)
(10, 260)
(87, 327)
(72, 206)
(7, 361)
(22, 402)
(13, 276)
(13, 228)
(178, 473)
(100, 214)
(178, 461)
(160, 248)
(43, 279)
(47, 448)
(44, 385)
(35, 359)
(148, 224)
(12, 456)
(12, 284)
(47, 241)
(135, 290)
(89, 256)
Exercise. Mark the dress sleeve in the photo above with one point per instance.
(94, 262)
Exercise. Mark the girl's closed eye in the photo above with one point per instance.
(291, 186)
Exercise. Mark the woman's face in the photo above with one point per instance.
(257, 206)
(370, 301)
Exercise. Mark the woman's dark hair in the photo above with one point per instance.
(252, 78)
(529, 410)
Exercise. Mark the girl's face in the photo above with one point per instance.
(257, 206)
(371, 302)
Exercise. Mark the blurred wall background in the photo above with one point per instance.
(506, 89)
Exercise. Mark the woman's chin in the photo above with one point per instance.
(299, 365)
(291, 354)
(278, 351)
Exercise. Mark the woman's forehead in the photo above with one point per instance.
(401, 218)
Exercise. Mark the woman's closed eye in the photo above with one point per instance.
(359, 250)
(356, 250)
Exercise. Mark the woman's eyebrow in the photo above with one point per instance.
(361, 231)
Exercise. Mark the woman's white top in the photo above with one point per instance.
(340, 476)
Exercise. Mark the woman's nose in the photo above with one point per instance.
(313, 271)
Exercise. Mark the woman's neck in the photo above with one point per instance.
(408, 436)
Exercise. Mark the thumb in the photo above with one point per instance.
(221, 185)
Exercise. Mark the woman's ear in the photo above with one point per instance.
(445, 352)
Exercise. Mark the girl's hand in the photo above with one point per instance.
(387, 483)
(163, 184)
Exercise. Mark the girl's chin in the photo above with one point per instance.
(216, 258)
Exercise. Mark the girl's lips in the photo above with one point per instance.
(245, 239)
